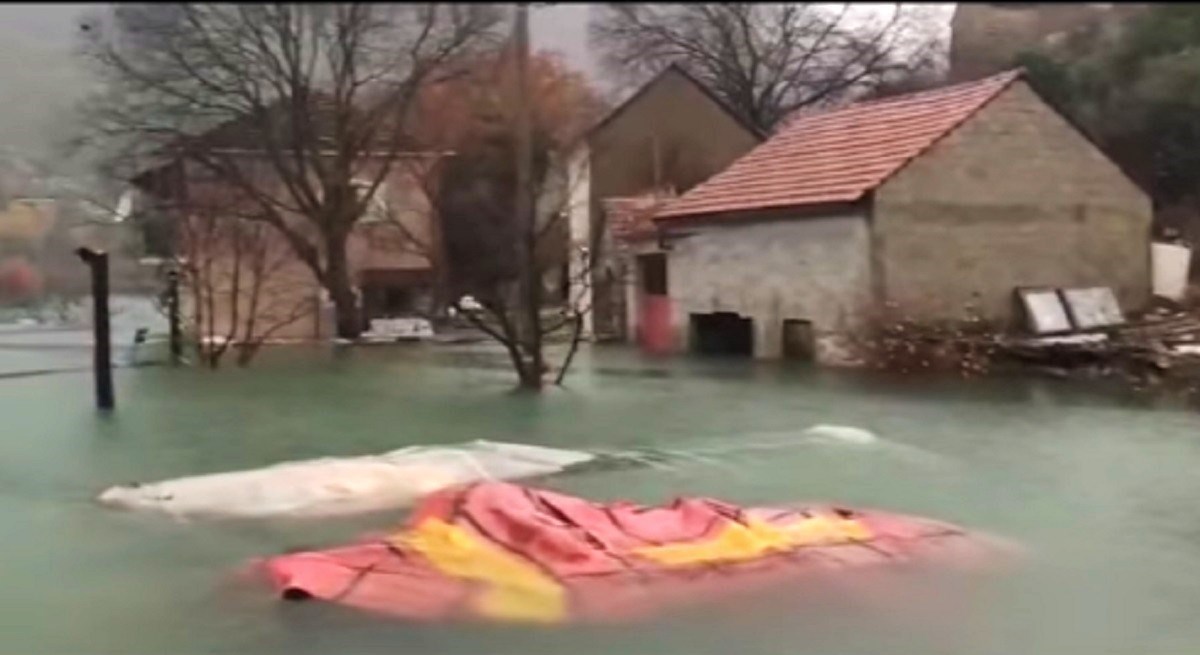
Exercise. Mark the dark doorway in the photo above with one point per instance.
(799, 341)
(722, 333)
(395, 293)
(653, 268)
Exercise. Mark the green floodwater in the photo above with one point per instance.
(1103, 491)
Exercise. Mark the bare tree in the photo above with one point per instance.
(288, 105)
(505, 265)
(236, 272)
(765, 60)
(504, 254)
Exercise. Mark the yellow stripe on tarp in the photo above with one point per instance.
(739, 542)
(515, 589)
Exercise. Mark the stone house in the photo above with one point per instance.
(922, 202)
(671, 133)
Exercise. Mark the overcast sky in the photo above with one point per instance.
(39, 77)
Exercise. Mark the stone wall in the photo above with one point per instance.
(1013, 197)
(809, 268)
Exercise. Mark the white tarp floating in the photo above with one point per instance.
(335, 486)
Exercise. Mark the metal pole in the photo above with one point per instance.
(176, 338)
(101, 333)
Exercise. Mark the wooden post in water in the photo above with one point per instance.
(101, 333)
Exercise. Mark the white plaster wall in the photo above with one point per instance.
(578, 211)
(810, 268)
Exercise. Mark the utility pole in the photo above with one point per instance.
(525, 206)
(101, 333)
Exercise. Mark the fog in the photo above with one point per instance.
(40, 79)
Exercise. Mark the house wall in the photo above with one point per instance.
(1013, 197)
(377, 243)
(694, 138)
(285, 300)
(579, 228)
(809, 268)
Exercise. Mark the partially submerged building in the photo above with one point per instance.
(672, 133)
(923, 203)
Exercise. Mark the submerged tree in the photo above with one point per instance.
(506, 252)
(766, 60)
(291, 106)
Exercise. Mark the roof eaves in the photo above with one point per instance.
(1013, 76)
(677, 68)
(734, 216)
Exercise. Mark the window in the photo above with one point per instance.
(397, 300)
(377, 210)
(654, 273)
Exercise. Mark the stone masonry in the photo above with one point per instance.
(1013, 197)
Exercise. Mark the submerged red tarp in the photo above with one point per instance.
(504, 552)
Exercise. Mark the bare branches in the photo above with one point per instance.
(284, 105)
(507, 265)
(242, 284)
(765, 60)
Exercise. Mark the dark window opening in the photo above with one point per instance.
(653, 268)
(397, 300)
(722, 333)
(799, 341)
(158, 232)
(392, 301)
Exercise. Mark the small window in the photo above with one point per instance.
(377, 210)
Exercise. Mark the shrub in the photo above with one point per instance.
(20, 281)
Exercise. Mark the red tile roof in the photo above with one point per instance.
(631, 217)
(838, 155)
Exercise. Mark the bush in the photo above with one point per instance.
(20, 281)
(898, 343)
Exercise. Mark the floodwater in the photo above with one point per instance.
(1101, 490)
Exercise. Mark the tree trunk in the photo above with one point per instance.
(337, 283)
(530, 373)
(246, 353)
(529, 331)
